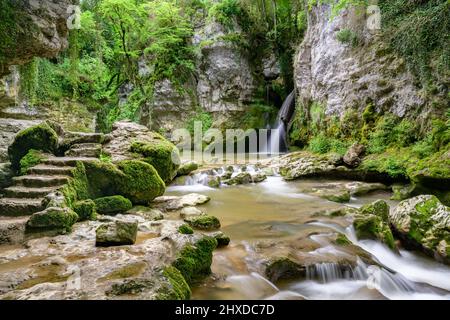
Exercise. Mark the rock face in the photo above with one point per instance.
(424, 222)
(343, 76)
(45, 33)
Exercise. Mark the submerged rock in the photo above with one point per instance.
(116, 233)
(424, 222)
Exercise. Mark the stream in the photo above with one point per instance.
(262, 218)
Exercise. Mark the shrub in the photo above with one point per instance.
(347, 36)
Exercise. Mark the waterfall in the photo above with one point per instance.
(277, 142)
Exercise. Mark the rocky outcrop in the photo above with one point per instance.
(424, 222)
(345, 75)
(39, 28)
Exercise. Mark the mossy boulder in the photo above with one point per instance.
(141, 183)
(40, 137)
(112, 205)
(194, 261)
(53, 218)
(31, 159)
(241, 178)
(186, 168)
(371, 222)
(86, 210)
(177, 289)
(133, 179)
(118, 233)
(204, 222)
(423, 222)
(161, 154)
(222, 239)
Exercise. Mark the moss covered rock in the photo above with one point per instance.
(161, 154)
(177, 289)
(113, 205)
(284, 268)
(185, 229)
(116, 233)
(53, 218)
(371, 222)
(222, 239)
(31, 159)
(40, 137)
(141, 183)
(424, 223)
(86, 210)
(194, 261)
(204, 222)
(187, 168)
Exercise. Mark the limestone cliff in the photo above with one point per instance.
(32, 28)
(342, 76)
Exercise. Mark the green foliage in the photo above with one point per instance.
(194, 261)
(112, 205)
(226, 12)
(322, 144)
(40, 137)
(201, 116)
(86, 210)
(32, 159)
(256, 115)
(418, 31)
(347, 36)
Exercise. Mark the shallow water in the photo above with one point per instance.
(275, 212)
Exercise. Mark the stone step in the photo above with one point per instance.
(66, 161)
(27, 193)
(15, 207)
(40, 181)
(71, 138)
(44, 169)
(84, 152)
(87, 146)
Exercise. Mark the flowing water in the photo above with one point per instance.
(274, 217)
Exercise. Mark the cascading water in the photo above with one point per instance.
(277, 142)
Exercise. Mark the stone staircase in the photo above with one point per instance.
(27, 193)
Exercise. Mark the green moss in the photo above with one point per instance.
(222, 239)
(33, 158)
(178, 288)
(113, 205)
(40, 137)
(85, 209)
(187, 168)
(131, 287)
(204, 222)
(342, 240)
(379, 208)
(53, 218)
(194, 261)
(77, 187)
(141, 183)
(104, 178)
(161, 154)
(348, 36)
(369, 226)
(185, 229)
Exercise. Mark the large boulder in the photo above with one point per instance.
(53, 218)
(131, 141)
(424, 222)
(40, 137)
(116, 233)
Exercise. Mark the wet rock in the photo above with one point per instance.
(371, 222)
(147, 213)
(241, 178)
(12, 231)
(204, 222)
(222, 239)
(353, 156)
(341, 212)
(214, 182)
(53, 218)
(259, 177)
(190, 212)
(116, 234)
(284, 269)
(186, 168)
(177, 203)
(362, 188)
(340, 196)
(424, 222)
